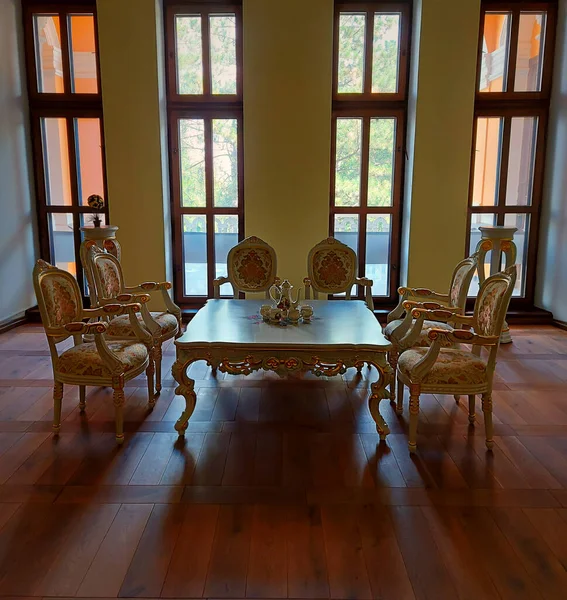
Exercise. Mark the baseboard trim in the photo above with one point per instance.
(12, 323)
(560, 324)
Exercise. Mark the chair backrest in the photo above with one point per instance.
(58, 297)
(252, 265)
(107, 273)
(461, 281)
(492, 302)
(332, 267)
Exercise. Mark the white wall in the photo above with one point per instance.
(551, 284)
(17, 211)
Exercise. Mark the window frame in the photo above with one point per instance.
(204, 106)
(66, 105)
(368, 105)
(508, 105)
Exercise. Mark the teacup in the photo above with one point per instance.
(265, 311)
(293, 315)
(306, 313)
(275, 315)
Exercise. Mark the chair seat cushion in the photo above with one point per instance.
(85, 360)
(120, 326)
(422, 340)
(453, 367)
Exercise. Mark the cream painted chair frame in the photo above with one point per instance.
(131, 294)
(414, 379)
(78, 328)
(311, 281)
(405, 335)
(250, 243)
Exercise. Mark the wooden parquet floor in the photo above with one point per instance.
(281, 489)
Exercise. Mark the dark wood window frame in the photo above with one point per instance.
(205, 106)
(508, 105)
(68, 106)
(368, 105)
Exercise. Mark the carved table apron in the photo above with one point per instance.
(231, 337)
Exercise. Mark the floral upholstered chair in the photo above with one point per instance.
(109, 287)
(99, 363)
(401, 330)
(332, 269)
(442, 370)
(251, 266)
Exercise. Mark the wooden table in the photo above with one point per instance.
(231, 336)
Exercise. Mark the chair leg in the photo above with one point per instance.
(150, 371)
(118, 399)
(158, 356)
(57, 402)
(393, 356)
(400, 399)
(472, 408)
(414, 415)
(457, 398)
(487, 410)
(82, 398)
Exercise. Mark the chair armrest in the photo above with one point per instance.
(129, 298)
(149, 286)
(80, 328)
(111, 309)
(442, 315)
(461, 335)
(217, 285)
(367, 284)
(422, 293)
(410, 305)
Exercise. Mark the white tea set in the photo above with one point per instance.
(285, 309)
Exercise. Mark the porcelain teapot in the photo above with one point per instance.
(282, 296)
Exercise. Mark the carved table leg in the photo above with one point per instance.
(186, 389)
(378, 393)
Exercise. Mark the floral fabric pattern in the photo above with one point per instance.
(251, 268)
(110, 278)
(423, 341)
(61, 300)
(120, 326)
(457, 286)
(489, 304)
(84, 360)
(333, 270)
(453, 367)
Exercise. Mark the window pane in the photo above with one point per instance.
(223, 54)
(378, 232)
(49, 64)
(479, 220)
(192, 161)
(346, 231)
(348, 162)
(381, 162)
(83, 54)
(487, 161)
(521, 239)
(225, 162)
(56, 161)
(385, 50)
(226, 237)
(62, 242)
(529, 63)
(195, 254)
(495, 52)
(352, 29)
(519, 184)
(189, 54)
(89, 158)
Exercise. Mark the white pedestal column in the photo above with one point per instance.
(500, 240)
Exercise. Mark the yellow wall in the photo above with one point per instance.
(443, 103)
(287, 140)
(128, 33)
(287, 126)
